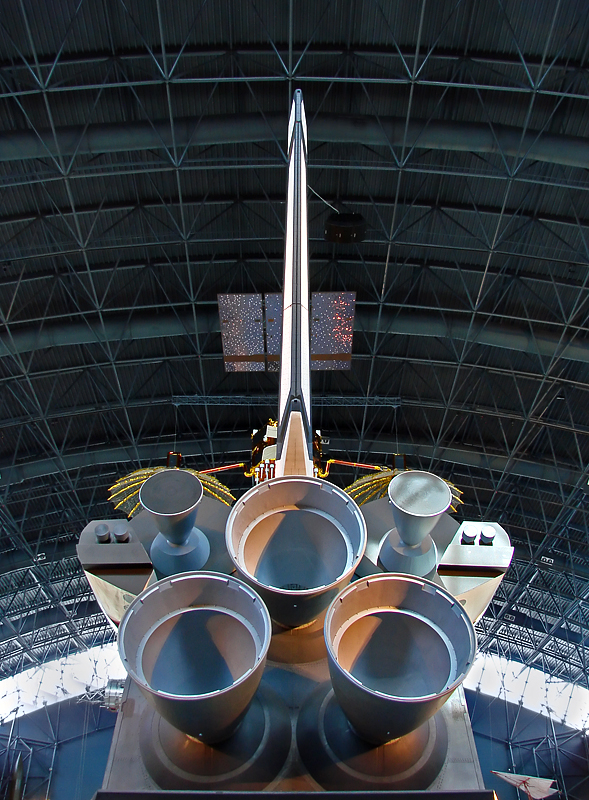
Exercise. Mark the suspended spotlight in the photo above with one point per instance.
(345, 228)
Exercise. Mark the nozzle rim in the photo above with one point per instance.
(315, 590)
(447, 690)
(157, 587)
(416, 513)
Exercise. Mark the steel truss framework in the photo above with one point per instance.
(142, 171)
(62, 748)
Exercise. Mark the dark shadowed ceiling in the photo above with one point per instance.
(142, 172)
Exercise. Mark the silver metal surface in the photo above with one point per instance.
(397, 647)
(196, 645)
(298, 541)
(172, 496)
(378, 514)
(418, 559)
(212, 518)
(471, 569)
(470, 531)
(121, 532)
(102, 532)
(488, 534)
(487, 548)
(172, 559)
(113, 694)
(418, 500)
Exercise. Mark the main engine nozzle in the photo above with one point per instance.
(196, 644)
(297, 541)
(397, 647)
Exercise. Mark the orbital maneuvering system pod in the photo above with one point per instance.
(336, 630)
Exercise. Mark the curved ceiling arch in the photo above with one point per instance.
(391, 323)
(370, 131)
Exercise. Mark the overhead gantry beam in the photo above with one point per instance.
(372, 131)
(240, 448)
(390, 321)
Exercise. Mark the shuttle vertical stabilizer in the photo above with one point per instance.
(294, 443)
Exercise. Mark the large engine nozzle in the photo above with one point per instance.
(196, 645)
(418, 500)
(297, 540)
(397, 647)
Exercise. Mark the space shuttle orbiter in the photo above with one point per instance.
(355, 695)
